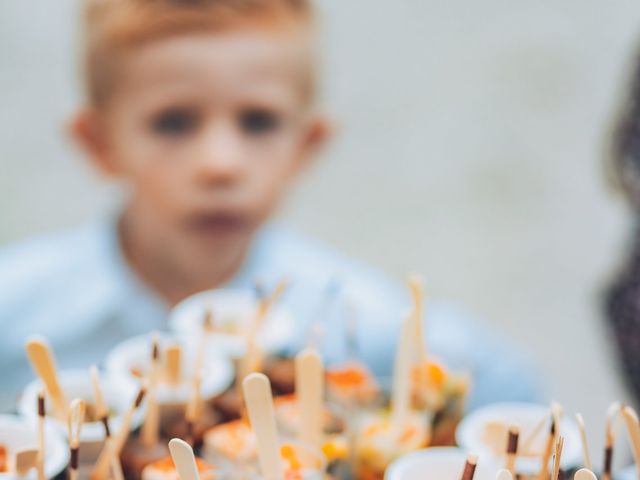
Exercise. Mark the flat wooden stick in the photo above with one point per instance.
(192, 410)
(504, 475)
(101, 468)
(416, 288)
(184, 459)
(633, 428)
(469, 467)
(43, 362)
(42, 411)
(584, 474)
(151, 425)
(75, 419)
(259, 401)
(612, 415)
(173, 363)
(512, 449)
(585, 444)
(309, 377)
(401, 393)
(102, 412)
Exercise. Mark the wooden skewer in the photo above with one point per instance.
(75, 419)
(184, 459)
(633, 428)
(543, 474)
(193, 407)
(102, 412)
(42, 411)
(151, 425)
(583, 439)
(416, 288)
(43, 362)
(252, 361)
(102, 465)
(173, 358)
(584, 474)
(612, 414)
(26, 459)
(512, 449)
(528, 441)
(259, 401)
(504, 475)
(401, 393)
(309, 377)
(557, 458)
(469, 467)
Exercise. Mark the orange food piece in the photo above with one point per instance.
(288, 452)
(433, 371)
(3, 459)
(347, 377)
(166, 465)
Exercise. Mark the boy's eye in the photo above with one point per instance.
(175, 122)
(256, 121)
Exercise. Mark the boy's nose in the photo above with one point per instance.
(220, 159)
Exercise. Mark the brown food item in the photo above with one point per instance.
(177, 426)
(281, 373)
(229, 404)
(135, 456)
(4, 467)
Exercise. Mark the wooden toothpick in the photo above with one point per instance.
(612, 415)
(151, 425)
(102, 465)
(512, 449)
(633, 428)
(75, 419)
(102, 412)
(469, 467)
(41, 436)
(557, 458)
(583, 439)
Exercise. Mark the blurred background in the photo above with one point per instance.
(470, 144)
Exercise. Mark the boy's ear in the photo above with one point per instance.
(320, 131)
(86, 129)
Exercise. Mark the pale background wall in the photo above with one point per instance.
(469, 148)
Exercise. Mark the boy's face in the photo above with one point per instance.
(208, 130)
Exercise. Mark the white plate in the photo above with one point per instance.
(469, 434)
(118, 393)
(233, 311)
(135, 352)
(16, 433)
(436, 463)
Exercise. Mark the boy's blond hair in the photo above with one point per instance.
(113, 26)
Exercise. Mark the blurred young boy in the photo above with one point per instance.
(205, 109)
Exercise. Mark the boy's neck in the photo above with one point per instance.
(148, 256)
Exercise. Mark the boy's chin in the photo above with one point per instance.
(213, 246)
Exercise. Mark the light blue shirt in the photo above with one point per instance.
(76, 289)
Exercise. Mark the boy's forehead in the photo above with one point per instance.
(245, 58)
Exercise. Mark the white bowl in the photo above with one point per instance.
(233, 312)
(217, 374)
(118, 393)
(437, 463)
(470, 433)
(16, 434)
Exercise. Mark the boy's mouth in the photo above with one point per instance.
(218, 224)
